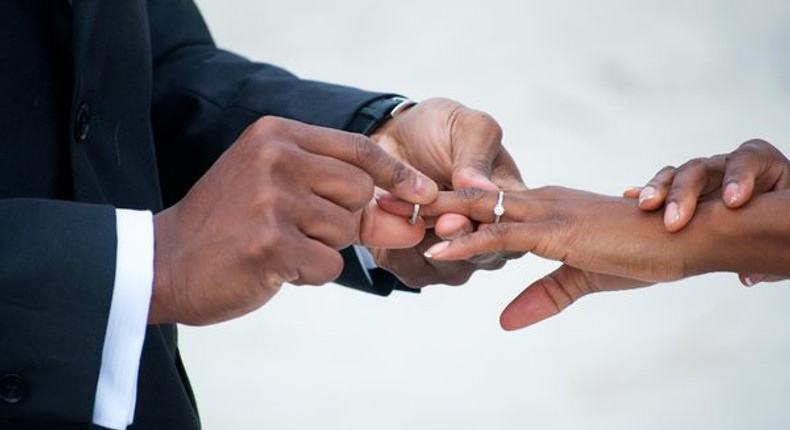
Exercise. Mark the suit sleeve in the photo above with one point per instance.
(204, 97)
(56, 284)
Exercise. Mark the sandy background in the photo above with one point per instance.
(595, 95)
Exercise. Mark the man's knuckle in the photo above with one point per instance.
(399, 173)
(347, 231)
(331, 267)
(471, 195)
(267, 125)
(362, 149)
(366, 185)
(487, 122)
(755, 143)
(275, 238)
(694, 163)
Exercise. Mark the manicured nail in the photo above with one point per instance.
(671, 214)
(732, 193)
(751, 279)
(632, 192)
(647, 193)
(436, 249)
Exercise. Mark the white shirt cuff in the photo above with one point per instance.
(366, 260)
(116, 392)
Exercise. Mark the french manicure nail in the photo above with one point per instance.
(647, 194)
(732, 192)
(751, 279)
(435, 249)
(632, 192)
(671, 214)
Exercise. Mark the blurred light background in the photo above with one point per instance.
(595, 95)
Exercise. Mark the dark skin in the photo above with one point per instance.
(608, 243)
(255, 221)
(755, 167)
(457, 147)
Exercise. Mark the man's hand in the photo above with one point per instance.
(274, 208)
(458, 148)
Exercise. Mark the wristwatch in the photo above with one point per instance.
(375, 113)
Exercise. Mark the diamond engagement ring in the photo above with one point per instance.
(499, 210)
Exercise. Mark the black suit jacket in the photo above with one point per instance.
(111, 103)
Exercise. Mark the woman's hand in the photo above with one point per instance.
(607, 243)
(755, 167)
(608, 235)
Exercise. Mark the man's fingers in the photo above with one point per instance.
(324, 221)
(387, 172)
(473, 203)
(505, 173)
(317, 264)
(381, 229)
(478, 140)
(340, 182)
(553, 293)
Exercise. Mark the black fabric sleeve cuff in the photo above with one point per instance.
(353, 276)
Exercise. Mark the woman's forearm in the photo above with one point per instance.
(753, 238)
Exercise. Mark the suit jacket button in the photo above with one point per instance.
(82, 124)
(13, 388)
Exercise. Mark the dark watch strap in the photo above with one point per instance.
(373, 114)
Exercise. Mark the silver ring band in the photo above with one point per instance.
(414, 214)
(499, 210)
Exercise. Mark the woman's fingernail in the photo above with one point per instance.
(632, 192)
(671, 214)
(436, 249)
(751, 279)
(732, 192)
(647, 194)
